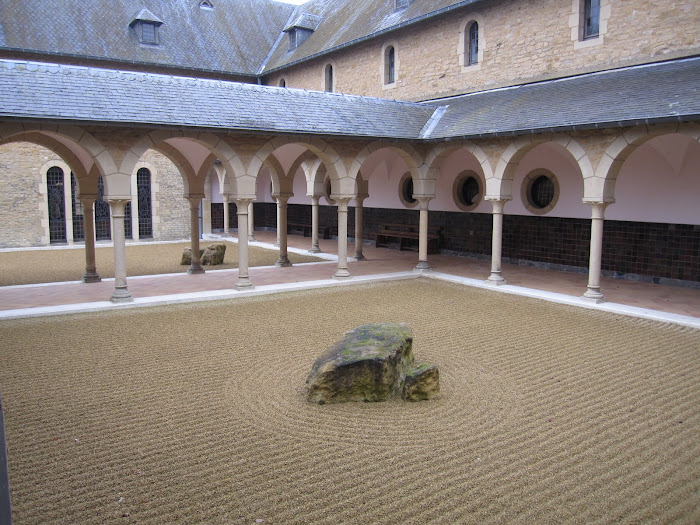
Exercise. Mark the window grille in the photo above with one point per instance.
(470, 191)
(473, 44)
(148, 33)
(103, 230)
(143, 191)
(57, 205)
(329, 78)
(128, 233)
(78, 216)
(591, 26)
(390, 65)
(541, 192)
(217, 216)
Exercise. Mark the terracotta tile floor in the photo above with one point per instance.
(669, 299)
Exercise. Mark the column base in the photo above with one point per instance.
(314, 249)
(91, 277)
(243, 283)
(593, 295)
(251, 238)
(193, 270)
(422, 266)
(359, 257)
(283, 262)
(121, 295)
(276, 245)
(496, 279)
(341, 273)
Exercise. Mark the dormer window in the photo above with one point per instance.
(402, 4)
(146, 25)
(206, 4)
(301, 29)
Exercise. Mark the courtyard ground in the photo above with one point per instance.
(58, 265)
(195, 413)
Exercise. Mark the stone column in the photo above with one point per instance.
(423, 234)
(251, 223)
(358, 228)
(206, 215)
(342, 271)
(593, 292)
(497, 242)
(243, 282)
(121, 294)
(283, 260)
(277, 242)
(226, 198)
(91, 275)
(314, 224)
(196, 265)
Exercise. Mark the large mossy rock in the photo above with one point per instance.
(214, 254)
(187, 256)
(369, 364)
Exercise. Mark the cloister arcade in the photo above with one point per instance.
(589, 170)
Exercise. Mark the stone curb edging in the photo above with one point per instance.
(5, 506)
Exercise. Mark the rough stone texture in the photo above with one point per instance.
(214, 254)
(22, 204)
(187, 256)
(370, 364)
(422, 383)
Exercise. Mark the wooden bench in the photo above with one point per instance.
(407, 236)
(305, 229)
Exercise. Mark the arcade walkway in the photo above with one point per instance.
(661, 302)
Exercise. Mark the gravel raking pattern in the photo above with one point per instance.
(196, 414)
(57, 265)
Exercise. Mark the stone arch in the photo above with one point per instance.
(342, 183)
(601, 186)
(408, 154)
(500, 186)
(438, 154)
(191, 176)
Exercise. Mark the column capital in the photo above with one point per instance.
(498, 203)
(598, 208)
(342, 202)
(423, 200)
(242, 205)
(282, 197)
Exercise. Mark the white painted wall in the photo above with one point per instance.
(660, 182)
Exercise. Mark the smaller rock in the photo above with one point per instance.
(421, 383)
(187, 256)
(214, 254)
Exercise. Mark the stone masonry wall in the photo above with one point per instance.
(171, 211)
(21, 201)
(521, 41)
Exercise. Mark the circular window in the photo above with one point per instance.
(467, 190)
(406, 191)
(327, 190)
(540, 191)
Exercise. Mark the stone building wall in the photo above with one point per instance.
(171, 211)
(521, 41)
(22, 203)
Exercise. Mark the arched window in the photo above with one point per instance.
(591, 18)
(283, 83)
(389, 65)
(103, 229)
(57, 205)
(143, 192)
(329, 78)
(472, 40)
(78, 217)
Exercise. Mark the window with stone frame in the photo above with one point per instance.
(472, 41)
(389, 65)
(328, 78)
(591, 19)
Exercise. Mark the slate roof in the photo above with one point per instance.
(234, 37)
(345, 22)
(624, 97)
(627, 96)
(31, 90)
